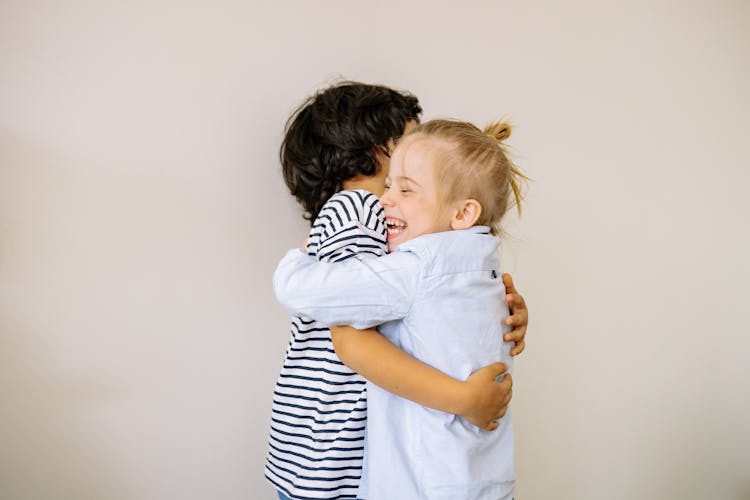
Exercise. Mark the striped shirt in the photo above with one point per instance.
(319, 411)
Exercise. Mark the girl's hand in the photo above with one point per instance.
(487, 398)
(519, 318)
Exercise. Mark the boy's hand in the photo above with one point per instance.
(519, 318)
(488, 398)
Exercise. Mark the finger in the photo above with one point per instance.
(515, 302)
(516, 336)
(502, 412)
(507, 400)
(516, 305)
(505, 403)
(506, 391)
(519, 318)
(495, 369)
(518, 348)
(508, 380)
(508, 282)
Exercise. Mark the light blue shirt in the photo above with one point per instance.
(440, 298)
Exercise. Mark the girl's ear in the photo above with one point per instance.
(467, 214)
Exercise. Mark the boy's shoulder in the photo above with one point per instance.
(351, 221)
(354, 205)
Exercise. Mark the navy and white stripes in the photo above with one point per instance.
(319, 405)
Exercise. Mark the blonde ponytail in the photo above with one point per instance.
(499, 131)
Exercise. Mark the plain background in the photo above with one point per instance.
(142, 213)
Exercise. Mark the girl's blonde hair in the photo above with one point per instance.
(474, 164)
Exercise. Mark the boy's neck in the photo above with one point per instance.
(369, 183)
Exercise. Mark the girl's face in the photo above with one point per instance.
(412, 197)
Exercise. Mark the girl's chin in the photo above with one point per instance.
(394, 240)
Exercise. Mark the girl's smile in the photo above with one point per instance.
(395, 227)
(412, 201)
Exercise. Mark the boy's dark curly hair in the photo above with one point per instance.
(332, 137)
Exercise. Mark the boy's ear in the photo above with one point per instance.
(467, 214)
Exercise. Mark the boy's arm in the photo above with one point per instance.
(519, 318)
(480, 399)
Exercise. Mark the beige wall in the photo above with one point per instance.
(142, 214)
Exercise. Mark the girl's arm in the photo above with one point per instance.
(361, 293)
(371, 292)
(480, 399)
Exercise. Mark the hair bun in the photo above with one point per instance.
(498, 131)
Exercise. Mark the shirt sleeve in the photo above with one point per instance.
(351, 223)
(360, 293)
